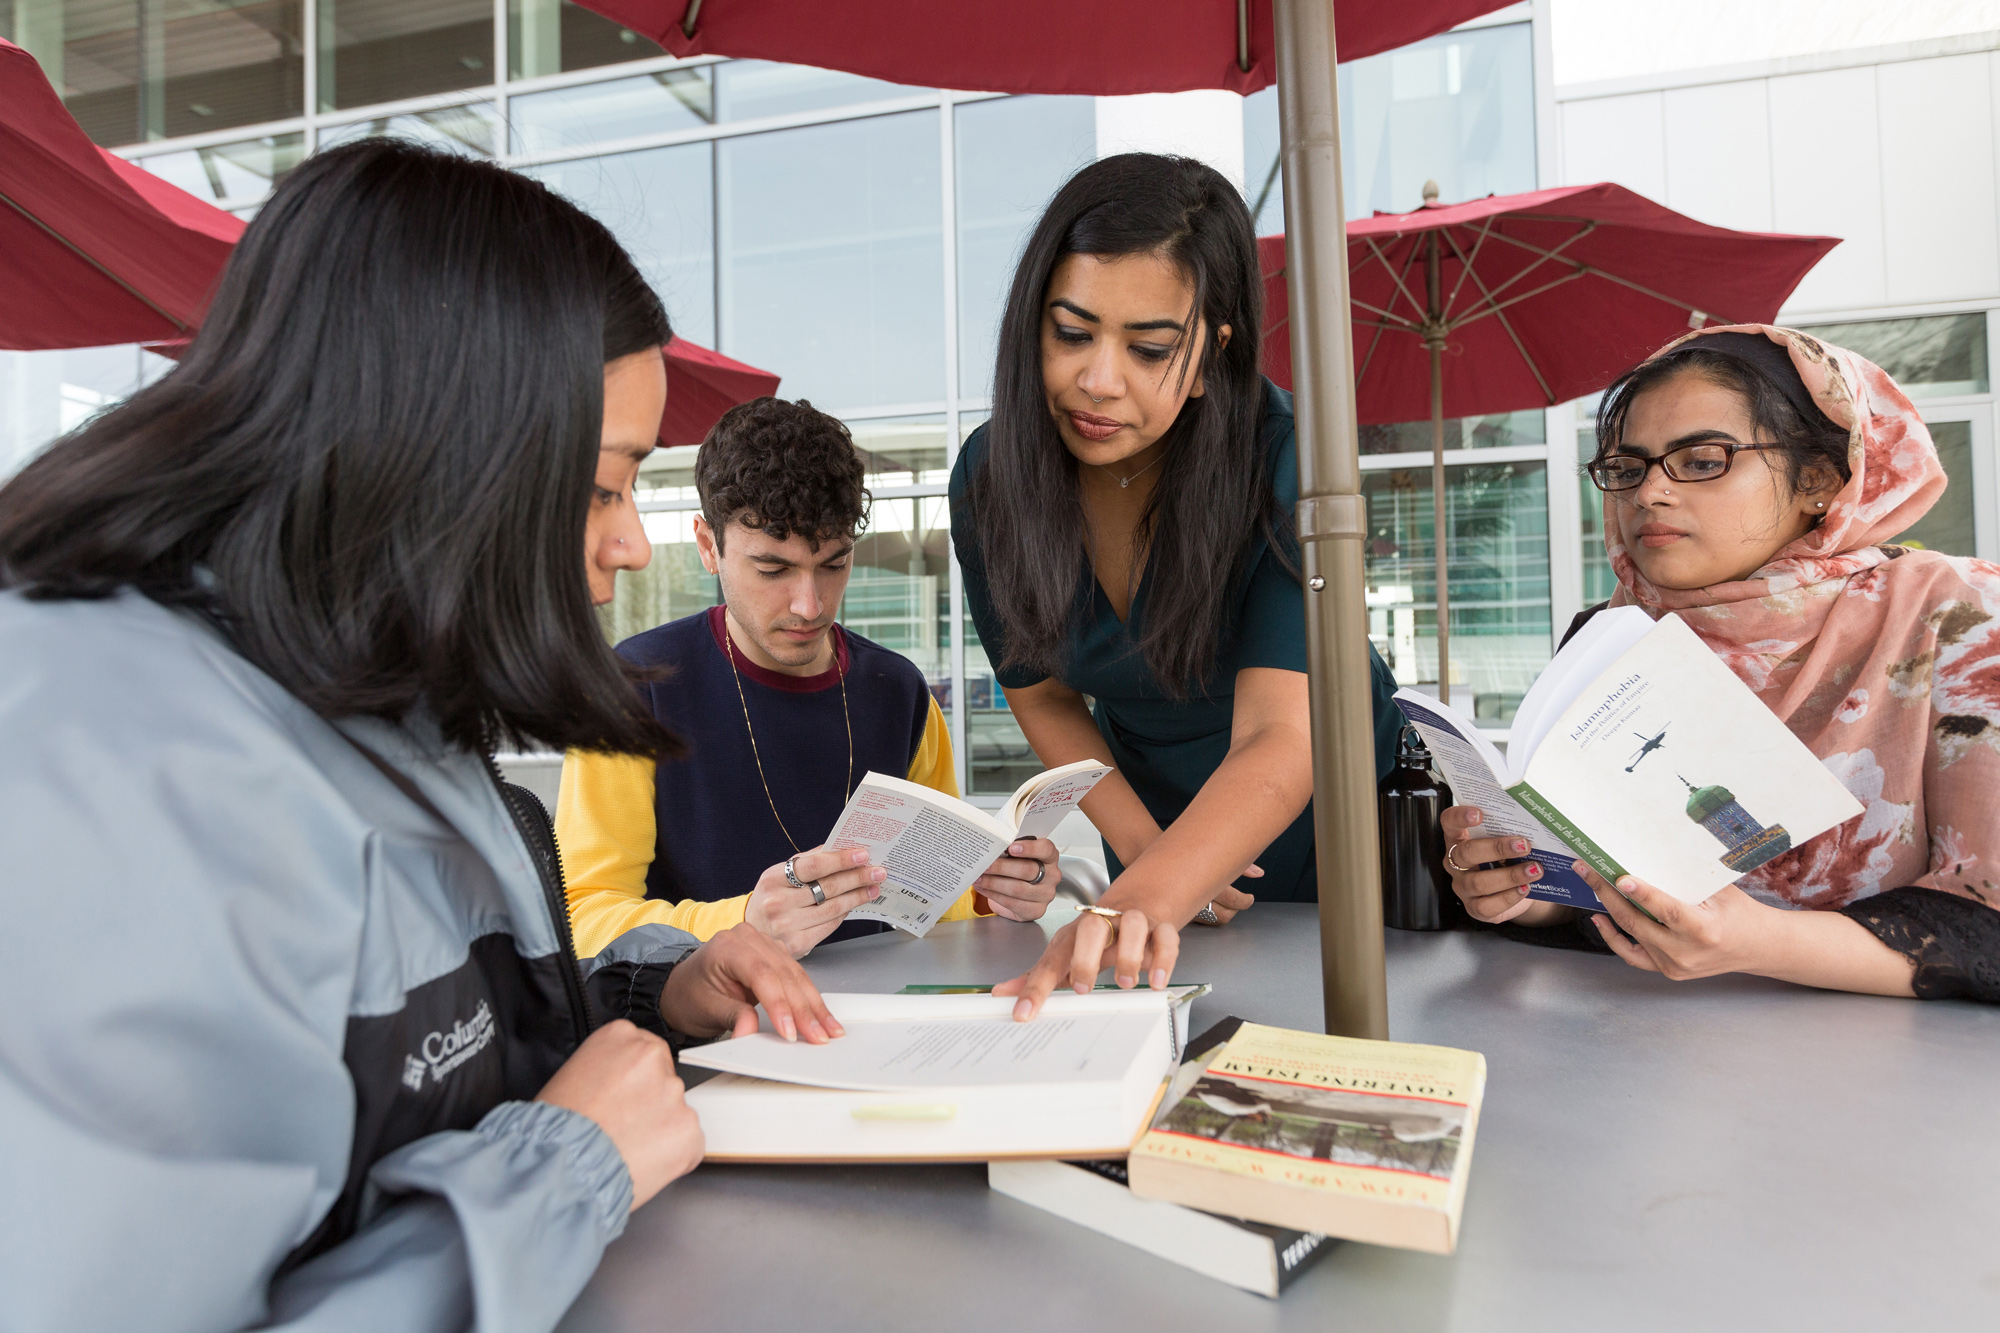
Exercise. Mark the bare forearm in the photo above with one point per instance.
(1255, 794)
(1832, 952)
(1059, 727)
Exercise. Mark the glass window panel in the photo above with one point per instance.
(1949, 527)
(830, 258)
(1499, 568)
(750, 89)
(998, 757)
(1498, 431)
(900, 593)
(903, 451)
(660, 204)
(1598, 580)
(473, 130)
(245, 170)
(386, 50)
(553, 36)
(132, 72)
(1011, 156)
(45, 395)
(656, 103)
(672, 585)
(1458, 109)
(1932, 356)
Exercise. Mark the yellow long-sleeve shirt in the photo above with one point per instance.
(605, 824)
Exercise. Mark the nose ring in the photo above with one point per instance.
(1095, 399)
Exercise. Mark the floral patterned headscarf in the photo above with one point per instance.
(1884, 661)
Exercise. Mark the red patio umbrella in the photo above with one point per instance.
(93, 250)
(1103, 47)
(1528, 300)
(701, 386)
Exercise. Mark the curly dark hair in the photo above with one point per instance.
(782, 468)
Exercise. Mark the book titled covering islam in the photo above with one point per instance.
(1638, 752)
(1252, 1255)
(1365, 1140)
(934, 845)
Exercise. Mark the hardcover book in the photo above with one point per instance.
(1365, 1140)
(1638, 752)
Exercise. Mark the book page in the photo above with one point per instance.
(1603, 640)
(983, 1051)
(932, 845)
(1468, 762)
(1045, 800)
(1671, 769)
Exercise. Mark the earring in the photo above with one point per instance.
(1819, 504)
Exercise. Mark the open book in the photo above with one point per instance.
(946, 1078)
(934, 845)
(1638, 752)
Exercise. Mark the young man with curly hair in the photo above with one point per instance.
(784, 709)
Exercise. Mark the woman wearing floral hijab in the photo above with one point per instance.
(1751, 476)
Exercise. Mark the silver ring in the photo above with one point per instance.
(791, 877)
(1040, 873)
(1206, 916)
(819, 894)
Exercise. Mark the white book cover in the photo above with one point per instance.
(1640, 752)
(934, 845)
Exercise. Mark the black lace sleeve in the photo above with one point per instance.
(1953, 941)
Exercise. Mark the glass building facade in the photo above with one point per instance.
(856, 238)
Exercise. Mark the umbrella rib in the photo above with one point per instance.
(1499, 313)
(1385, 314)
(1688, 306)
(1394, 276)
(1467, 261)
(1495, 307)
(65, 241)
(1556, 255)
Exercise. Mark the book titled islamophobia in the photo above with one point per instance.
(1638, 752)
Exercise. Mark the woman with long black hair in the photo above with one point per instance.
(291, 1033)
(1124, 526)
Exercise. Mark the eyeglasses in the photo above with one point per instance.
(1690, 462)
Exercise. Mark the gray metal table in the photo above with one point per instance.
(1732, 1153)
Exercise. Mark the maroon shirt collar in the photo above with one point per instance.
(778, 680)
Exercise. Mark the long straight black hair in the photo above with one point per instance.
(1213, 498)
(372, 468)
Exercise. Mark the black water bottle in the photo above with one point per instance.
(1416, 888)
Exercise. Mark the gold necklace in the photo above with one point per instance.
(729, 651)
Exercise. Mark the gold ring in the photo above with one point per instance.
(1452, 861)
(1108, 913)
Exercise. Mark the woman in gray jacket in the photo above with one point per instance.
(291, 1034)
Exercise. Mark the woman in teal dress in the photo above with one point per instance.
(1124, 527)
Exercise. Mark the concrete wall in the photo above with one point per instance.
(1892, 150)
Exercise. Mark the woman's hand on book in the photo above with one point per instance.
(1010, 882)
(1139, 947)
(623, 1078)
(1495, 886)
(718, 987)
(1727, 932)
(791, 917)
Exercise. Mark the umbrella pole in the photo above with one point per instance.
(1439, 536)
(1332, 521)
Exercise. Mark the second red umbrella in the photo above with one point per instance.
(1523, 301)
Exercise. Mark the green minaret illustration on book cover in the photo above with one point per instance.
(1747, 844)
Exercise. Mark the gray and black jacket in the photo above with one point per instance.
(275, 997)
